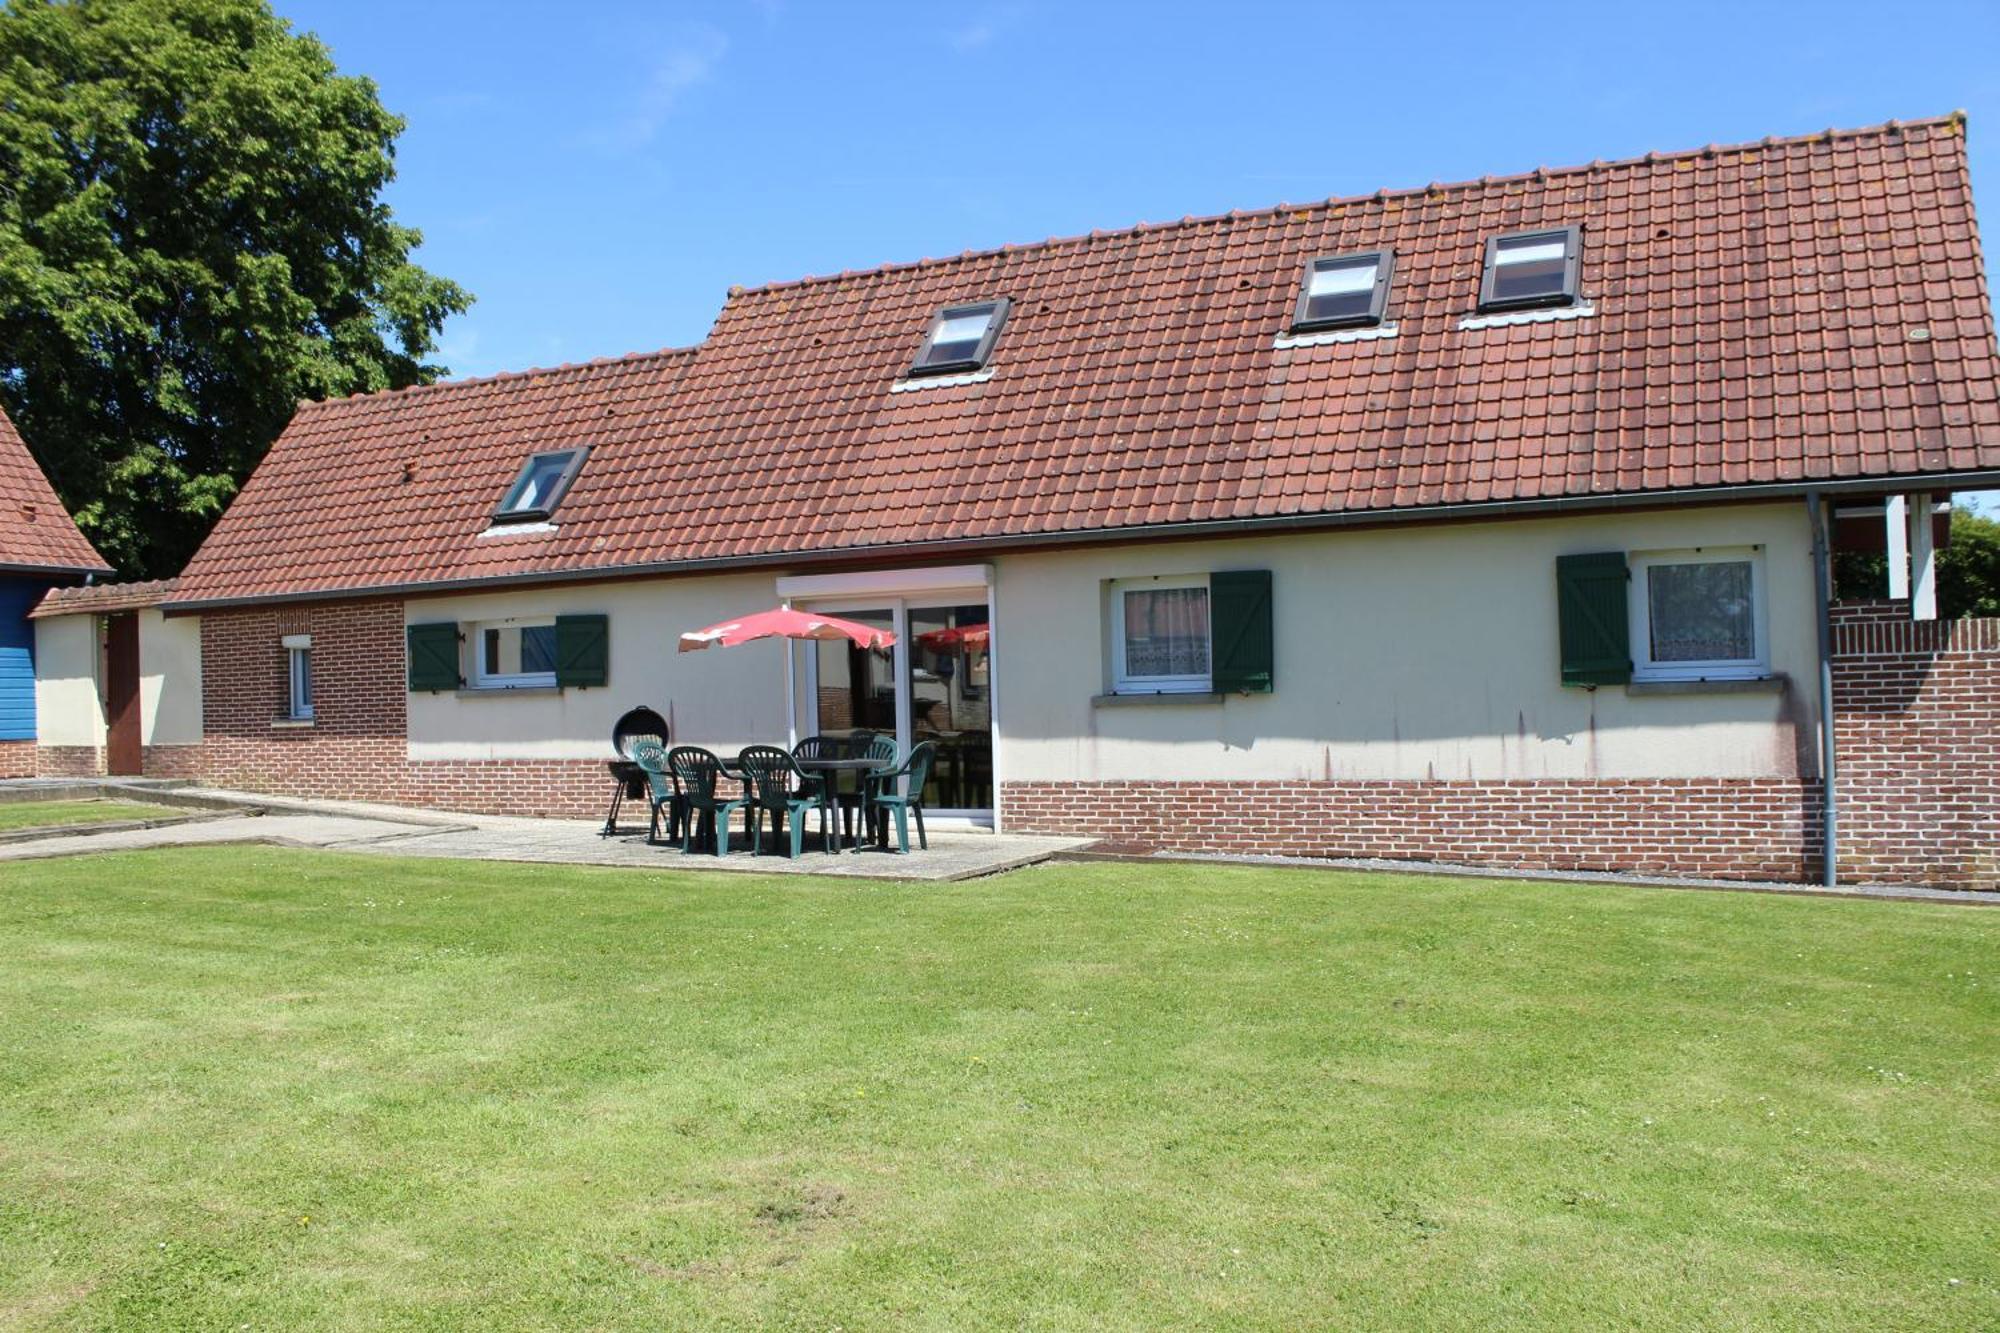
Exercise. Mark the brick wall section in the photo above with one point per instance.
(356, 748)
(17, 759)
(1747, 828)
(1917, 733)
(69, 761)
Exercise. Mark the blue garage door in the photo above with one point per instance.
(17, 659)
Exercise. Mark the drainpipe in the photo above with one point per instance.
(1817, 514)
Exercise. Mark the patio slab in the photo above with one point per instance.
(954, 854)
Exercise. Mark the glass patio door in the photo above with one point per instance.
(934, 685)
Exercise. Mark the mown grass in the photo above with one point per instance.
(52, 814)
(276, 1089)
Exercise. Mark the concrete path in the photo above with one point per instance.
(401, 831)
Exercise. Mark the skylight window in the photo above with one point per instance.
(1341, 291)
(540, 486)
(960, 338)
(1531, 268)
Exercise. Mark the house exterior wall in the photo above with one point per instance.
(70, 707)
(1404, 654)
(1417, 712)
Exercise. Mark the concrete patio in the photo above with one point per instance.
(355, 826)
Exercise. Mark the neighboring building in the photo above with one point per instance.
(40, 548)
(117, 684)
(1476, 522)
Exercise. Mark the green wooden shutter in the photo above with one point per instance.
(1239, 620)
(433, 656)
(583, 650)
(1596, 630)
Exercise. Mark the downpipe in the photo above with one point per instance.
(1817, 515)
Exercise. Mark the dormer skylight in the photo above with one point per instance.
(1344, 291)
(539, 488)
(1531, 268)
(961, 338)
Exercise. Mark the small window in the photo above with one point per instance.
(1698, 615)
(1531, 268)
(960, 338)
(1160, 636)
(1344, 290)
(540, 486)
(514, 654)
(298, 677)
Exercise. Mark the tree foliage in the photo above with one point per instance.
(1968, 569)
(192, 239)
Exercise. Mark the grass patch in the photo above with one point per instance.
(15, 815)
(253, 1086)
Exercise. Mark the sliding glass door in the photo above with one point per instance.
(935, 685)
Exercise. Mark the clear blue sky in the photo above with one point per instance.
(599, 174)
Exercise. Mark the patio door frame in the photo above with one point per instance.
(896, 590)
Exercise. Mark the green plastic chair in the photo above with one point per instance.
(662, 791)
(885, 798)
(698, 772)
(879, 750)
(784, 791)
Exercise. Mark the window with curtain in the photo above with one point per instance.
(1161, 636)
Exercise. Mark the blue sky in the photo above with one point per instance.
(600, 174)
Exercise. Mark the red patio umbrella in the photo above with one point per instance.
(951, 636)
(784, 622)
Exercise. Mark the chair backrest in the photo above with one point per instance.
(922, 756)
(772, 773)
(859, 739)
(820, 747)
(697, 770)
(881, 750)
(651, 757)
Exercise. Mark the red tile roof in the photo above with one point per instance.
(36, 532)
(1782, 312)
(102, 598)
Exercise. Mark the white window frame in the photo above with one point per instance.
(482, 679)
(1123, 682)
(1644, 667)
(298, 677)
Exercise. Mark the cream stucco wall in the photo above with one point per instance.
(169, 678)
(67, 700)
(1411, 652)
(724, 698)
(67, 711)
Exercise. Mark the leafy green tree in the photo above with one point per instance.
(1968, 569)
(192, 239)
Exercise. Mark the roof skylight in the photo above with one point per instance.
(1531, 268)
(1344, 290)
(540, 486)
(961, 338)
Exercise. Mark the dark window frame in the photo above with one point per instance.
(1378, 301)
(564, 479)
(999, 305)
(1572, 270)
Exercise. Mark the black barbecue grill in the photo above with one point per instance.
(628, 780)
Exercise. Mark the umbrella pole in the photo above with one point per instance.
(791, 697)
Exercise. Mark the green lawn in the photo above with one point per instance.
(255, 1088)
(48, 814)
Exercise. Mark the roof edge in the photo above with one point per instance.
(1539, 174)
(503, 376)
(927, 551)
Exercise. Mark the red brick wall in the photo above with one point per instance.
(17, 759)
(354, 748)
(1917, 735)
(1758, 828)
(69, 761)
